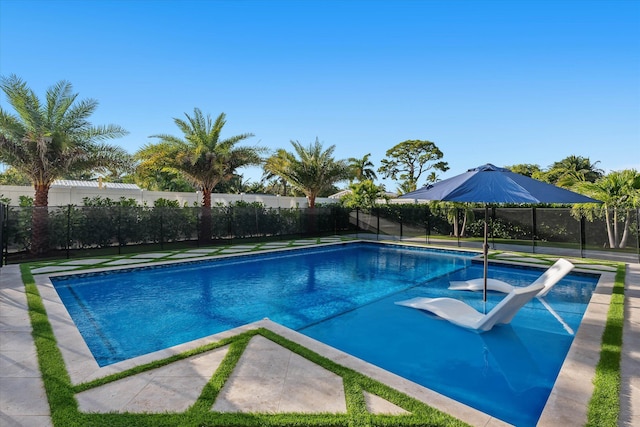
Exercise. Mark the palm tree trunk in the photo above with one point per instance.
(615, 227)
(205, 216)
(311, 215)
(40, 220)
(464, 224)
(612, 241)
(625, 232)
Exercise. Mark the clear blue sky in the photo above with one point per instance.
(504, 82)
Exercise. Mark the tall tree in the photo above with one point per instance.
(408, 160)
(50, 139)
(202, 157)
(526, 169)
(311, 170)
(362, 168)
(364, 194)
(275, 163)
(572, 170)
(12, 176)
(619, 193)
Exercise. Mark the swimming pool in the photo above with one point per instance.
(342, 295)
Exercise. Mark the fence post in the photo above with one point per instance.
(230, 230)
(493, 219)
(456, 231)
(120, 229)
(377, 224)
(533, 230)
(582, 235)
(2, 233)
(357, 221)
(68, 240)
(427, 224)
(161, 228)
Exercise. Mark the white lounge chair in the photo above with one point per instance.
(549, 278)
(462, 314)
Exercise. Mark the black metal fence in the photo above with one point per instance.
(121, 229)
(75, 231)
(556, 231)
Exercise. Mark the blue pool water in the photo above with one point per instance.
(344, 296)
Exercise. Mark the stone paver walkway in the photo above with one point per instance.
(630, 364)
(23, 401)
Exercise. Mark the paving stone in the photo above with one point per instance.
(7, 420)
(597, 267)
(27, 397)
(85, 261)
(269, 378)
(185, 255)
(153, 255)
(233, 251)
(172, 388)
(127, 261)
(530, 260)
(53, 269)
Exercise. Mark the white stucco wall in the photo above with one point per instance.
(62, 196)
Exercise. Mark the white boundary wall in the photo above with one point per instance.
(63, 196)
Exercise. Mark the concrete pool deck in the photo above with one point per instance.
(272, 379)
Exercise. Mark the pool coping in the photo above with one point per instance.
(567, 403)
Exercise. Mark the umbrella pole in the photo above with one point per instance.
(485, 250)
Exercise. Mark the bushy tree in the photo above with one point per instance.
(408, 160)
(363, 195)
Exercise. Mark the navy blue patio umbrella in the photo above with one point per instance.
(490, 184)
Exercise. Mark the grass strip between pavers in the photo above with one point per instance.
(65, 412)
(604, 406)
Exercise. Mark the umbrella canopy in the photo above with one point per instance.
(490, 184)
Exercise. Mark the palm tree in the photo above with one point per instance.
(46, 141)
(362, 168)
(312, 172)
(275, 163)
(572, 170)
(202, 157)
(620, 193)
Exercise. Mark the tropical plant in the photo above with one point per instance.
(619, 193)
(408, 160)
(202, 157)
(452, 212)
(363, 195)
(432, 178)
(362, 168)
(157, 179)
(11, 176)
(278, 161)
(312, 170)
(50, 139)
(572, 170)
(526, 169)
